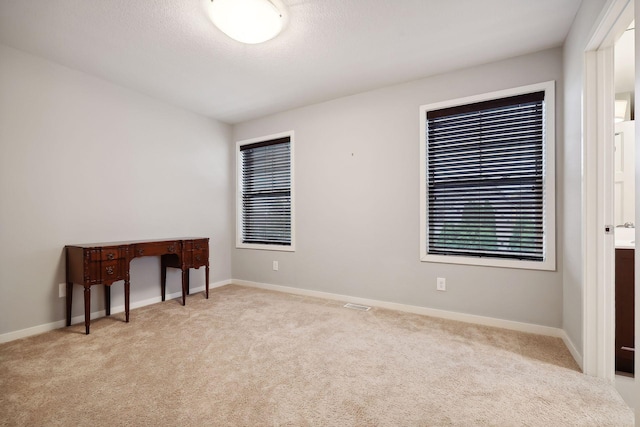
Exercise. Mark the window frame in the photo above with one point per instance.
(239, 192)
(549, 209)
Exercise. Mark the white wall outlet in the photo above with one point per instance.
(275, 265)
(62, 290)
(441, 284)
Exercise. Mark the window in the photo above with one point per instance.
(265, 193)
(487, 179)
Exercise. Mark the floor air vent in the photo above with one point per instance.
(357, 307)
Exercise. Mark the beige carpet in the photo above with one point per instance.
(248, 357)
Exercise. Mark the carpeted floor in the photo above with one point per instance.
(248, 357)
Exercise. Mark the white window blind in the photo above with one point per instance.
(266, 192)
(485, 179)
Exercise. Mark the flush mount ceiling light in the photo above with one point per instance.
(247, 21)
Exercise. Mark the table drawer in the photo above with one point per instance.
(196, 252)
(198, 258)
(113, 270)
(108, 254)
(157, 249)
(196, 244)
(201, 244)
(105, 271)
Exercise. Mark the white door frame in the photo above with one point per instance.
(597, 190)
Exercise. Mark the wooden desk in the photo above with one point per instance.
(106, 263)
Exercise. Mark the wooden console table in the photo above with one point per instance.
(106, 263)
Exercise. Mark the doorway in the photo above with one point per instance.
(598, 198)
(624, 195)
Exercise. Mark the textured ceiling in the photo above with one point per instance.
(170, 50)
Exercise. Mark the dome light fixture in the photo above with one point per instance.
(247, 21)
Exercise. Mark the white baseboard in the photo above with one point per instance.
(572, 349)
(444, 314)
(23, 333)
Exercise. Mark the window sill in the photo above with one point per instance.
(279, 248)
(548, 265)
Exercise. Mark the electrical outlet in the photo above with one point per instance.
(275, 265)
(441, 284)
(62, 290)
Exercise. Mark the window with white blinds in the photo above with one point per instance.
(265, 193)
(487, 181)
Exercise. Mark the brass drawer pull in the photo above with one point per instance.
(109, 270)
(171, 248)
(110, 255)
(141, 252)
(198, 257)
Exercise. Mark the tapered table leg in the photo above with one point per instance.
(185, 271)
(87, 308)
(69, 297)
(107, 300)
(126, 300)
(163, 275)
(206, 281)
(188, 279)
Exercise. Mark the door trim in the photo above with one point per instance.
(597, 189)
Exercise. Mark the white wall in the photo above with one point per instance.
(570, 182)
(357, 201)
(624, 168)
(83, 160)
